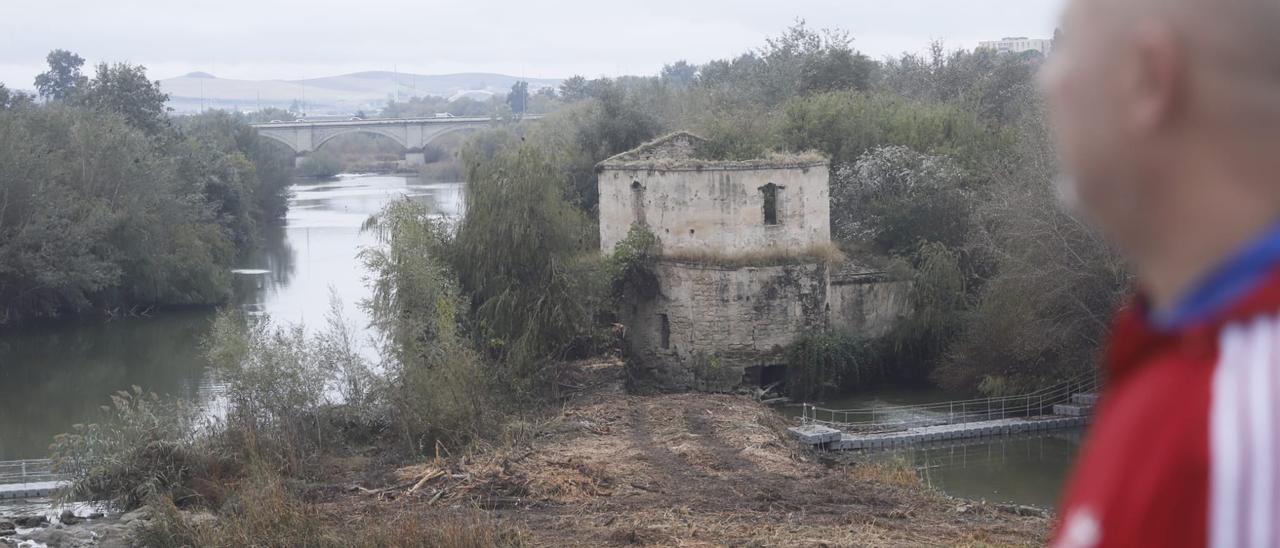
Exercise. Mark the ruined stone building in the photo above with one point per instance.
(747, 266)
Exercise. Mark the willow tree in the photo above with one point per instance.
(527, 258)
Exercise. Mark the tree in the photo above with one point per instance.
(574, 89)
(1044, 313)
(838, 68)
(63, 77)
(12, 99)
(122, 229)
(518, 99)
(124, 89)
(798, 62)
(897, 199)
(518, 256)
(680, 74)
(997, 87)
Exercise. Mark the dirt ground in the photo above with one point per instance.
(614, 469)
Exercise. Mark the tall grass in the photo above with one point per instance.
(773, 256)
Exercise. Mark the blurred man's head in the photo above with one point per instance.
(1162, 105)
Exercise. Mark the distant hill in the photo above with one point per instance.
(333, 94)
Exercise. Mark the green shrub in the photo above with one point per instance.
(447, 170)
(144, 447)
(828, 362)
(291, 396)
(320, 165)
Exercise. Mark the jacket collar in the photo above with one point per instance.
(1133, 337)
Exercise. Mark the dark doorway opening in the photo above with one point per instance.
(765, 376)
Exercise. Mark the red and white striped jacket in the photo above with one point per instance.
(1184, 446)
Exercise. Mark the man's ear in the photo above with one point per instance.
(1158, 77)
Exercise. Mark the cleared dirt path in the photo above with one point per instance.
(699, 470)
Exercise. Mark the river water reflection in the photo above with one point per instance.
(1026, 469)
(52, 377)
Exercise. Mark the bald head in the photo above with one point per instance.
(1167, 116)
(1234, 45)
(1230, 49)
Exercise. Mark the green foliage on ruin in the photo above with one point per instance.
(632, 266)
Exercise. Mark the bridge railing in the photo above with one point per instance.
(28, 471)
(901, 417)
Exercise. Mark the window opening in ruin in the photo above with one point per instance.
(665, 330)
(637, 202)
(770, 192)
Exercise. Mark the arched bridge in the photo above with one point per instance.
(412, 133)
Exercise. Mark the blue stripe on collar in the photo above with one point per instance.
(1230, 281)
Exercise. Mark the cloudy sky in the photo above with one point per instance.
(266, 39)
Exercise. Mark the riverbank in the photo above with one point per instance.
(616, 469)
(620, 469)
(78, 365)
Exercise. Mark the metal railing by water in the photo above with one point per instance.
(28, 471)
(901, 417)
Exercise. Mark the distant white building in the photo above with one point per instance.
(1018, 44)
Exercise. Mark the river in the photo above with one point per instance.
(56, 376)
(1025, 469)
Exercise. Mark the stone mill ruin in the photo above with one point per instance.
(746, 268)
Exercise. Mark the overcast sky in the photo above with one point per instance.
(270, 39)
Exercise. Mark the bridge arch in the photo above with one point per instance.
(325, 135)
(412, 134)
(289, 143)
(427, 138)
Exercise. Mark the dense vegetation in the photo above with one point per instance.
(941, 175)
(106, 204)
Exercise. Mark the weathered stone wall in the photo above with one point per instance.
(717, 210)
(719, 321)
(866, 305)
